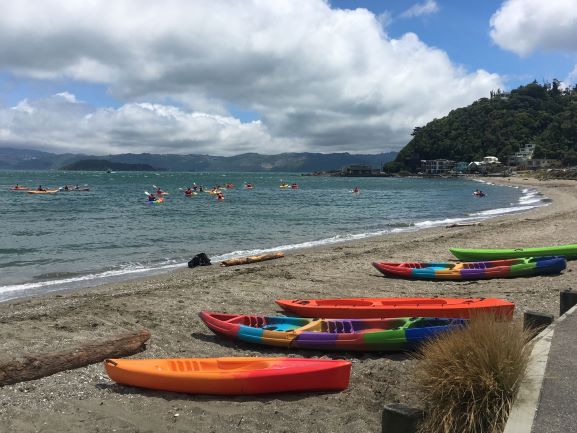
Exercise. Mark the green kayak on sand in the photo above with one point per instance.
(569, 251)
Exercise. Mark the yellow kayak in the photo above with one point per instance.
(48, 191)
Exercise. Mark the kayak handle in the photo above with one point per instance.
(110, 361)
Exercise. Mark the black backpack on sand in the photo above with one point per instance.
(199, 260)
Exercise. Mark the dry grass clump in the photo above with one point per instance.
(469, 377)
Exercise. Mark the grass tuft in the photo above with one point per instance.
(469, 377)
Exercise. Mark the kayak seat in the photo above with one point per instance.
(183, 365)
(339, 327)
(475, 265)
(256, 321)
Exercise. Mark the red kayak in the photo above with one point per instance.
(359, 308)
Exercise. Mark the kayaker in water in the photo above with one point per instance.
(220, 196)
(356, 189)
(188, 191)
(159, 191)
(40, 188)
(151, 197)
(65, 187)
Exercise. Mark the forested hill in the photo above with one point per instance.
(542, 114)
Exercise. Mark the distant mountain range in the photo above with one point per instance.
(106, 165)
(22, 159)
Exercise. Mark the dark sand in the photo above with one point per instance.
(85, 400)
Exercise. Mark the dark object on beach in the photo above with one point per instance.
(251, 259)
(39, 365)
(199, 260)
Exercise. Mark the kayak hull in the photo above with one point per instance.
(360, 308)
(231, 376)
(48, 191)
(363, 335)
(509, 268)
(568, 251)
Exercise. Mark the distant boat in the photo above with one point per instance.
(109, 170)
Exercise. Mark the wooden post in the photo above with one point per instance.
(398, 418)
(567, 299)
(536, 322)
(39, 365)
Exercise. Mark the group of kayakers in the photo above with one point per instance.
(40, 188)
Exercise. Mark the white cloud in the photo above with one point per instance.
(321, 79)
(419, 9)
(62, 124)
(524, 26)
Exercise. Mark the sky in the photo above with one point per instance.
(226, 77)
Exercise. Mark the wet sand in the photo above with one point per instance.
(85, 400)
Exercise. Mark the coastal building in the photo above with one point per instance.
(461, 167)
(357, 170)
(437, 166)
(489, 164)
(537, 163)
(524, 155)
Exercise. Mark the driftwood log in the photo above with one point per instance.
(462, 225)
(39, 365)
(251, 259)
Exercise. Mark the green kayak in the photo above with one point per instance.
(475, 254)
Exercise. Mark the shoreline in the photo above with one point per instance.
(167, 304)
(96, 279)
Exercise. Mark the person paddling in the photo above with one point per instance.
(151, 197)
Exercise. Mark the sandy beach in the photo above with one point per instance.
(85, 400)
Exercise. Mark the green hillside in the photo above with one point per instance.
(542, 114)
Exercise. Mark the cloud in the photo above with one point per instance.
(320, 79)
(62, 124)
(420, 9)
(524, 26)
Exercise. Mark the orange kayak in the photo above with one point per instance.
(231, 376)
(360, 308)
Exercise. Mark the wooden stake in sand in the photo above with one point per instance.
(39, 365)
(251, 259)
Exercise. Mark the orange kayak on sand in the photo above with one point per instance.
(231, 376)
(360, 308)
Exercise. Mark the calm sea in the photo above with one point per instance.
(81, 239)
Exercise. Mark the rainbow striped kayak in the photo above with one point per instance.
(325, 334)
(510, 268)
(569, 251)
(231, 376)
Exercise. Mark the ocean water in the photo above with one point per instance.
(82, 239)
